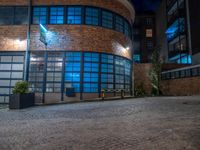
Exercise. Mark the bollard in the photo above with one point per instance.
(122, 94)
(102, 94)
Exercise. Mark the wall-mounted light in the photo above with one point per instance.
(43, 28)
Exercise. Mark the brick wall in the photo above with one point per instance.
(141, 76)
(69, 37)
(82, 38)
(113, 5)
(181, 87)
(174, 87)
(13, 38)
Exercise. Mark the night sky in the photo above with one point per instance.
(146, 5)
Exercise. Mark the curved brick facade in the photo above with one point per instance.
(70, 37)
(87, 57)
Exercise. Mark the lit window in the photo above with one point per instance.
(91, 67)
(90, 77)
(91, 57)
(149, 33)
(107, 58)
(56, 15)
(39, 15)
(137, 58)
(90, 87)
(92, 16)
(74, 15)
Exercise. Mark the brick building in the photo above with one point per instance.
(55, 45)
(144, 36)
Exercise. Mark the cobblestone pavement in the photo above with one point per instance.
(167, 123)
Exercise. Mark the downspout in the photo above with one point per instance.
(26, 64)
(188, 27)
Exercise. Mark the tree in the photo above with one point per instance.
(155, 72)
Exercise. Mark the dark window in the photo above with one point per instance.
(149, 21)
(149, 45)
(107, 19)
(119, 25)
(39, 15)
(6, 15)
(92, 16)
(21, 15)
(56, 15)
(74, 15)
(127, 29)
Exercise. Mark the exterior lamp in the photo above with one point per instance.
(43, 34)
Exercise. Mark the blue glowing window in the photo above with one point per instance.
(107, 86)
(91, 57)
(72, 66)
(119, 24)
(39, 15)
(92, 16)
(56, 15)
(72, 77)
(90, 87)
(127, 80)
(107, 58)
(119, 70)
(177, 27)
(91, 67)
(137, 58)
(107, 19)
(90, 77)
(119, 86)
(119, 79)
(119, 61)
(73, 56)
(106, 68)
(74, 15)
(107, 78)
(127, 68)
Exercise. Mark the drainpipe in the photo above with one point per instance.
(26, 64)
(188, 27)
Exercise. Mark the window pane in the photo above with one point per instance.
(6, 15)
(21, 15)
(39, 15)
(119, 24)
(92, 16)
(107, 19)
(74, 15)
(56, 15)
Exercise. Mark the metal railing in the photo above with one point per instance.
(186, 72)
(121, 91)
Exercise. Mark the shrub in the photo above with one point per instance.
(21, 87)
(140, 91)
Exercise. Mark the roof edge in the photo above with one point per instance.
(130, 7)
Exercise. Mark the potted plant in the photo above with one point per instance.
(21, 97)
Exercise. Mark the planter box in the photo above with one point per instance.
(20, 101)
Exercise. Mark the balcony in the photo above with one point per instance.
(179, 13)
